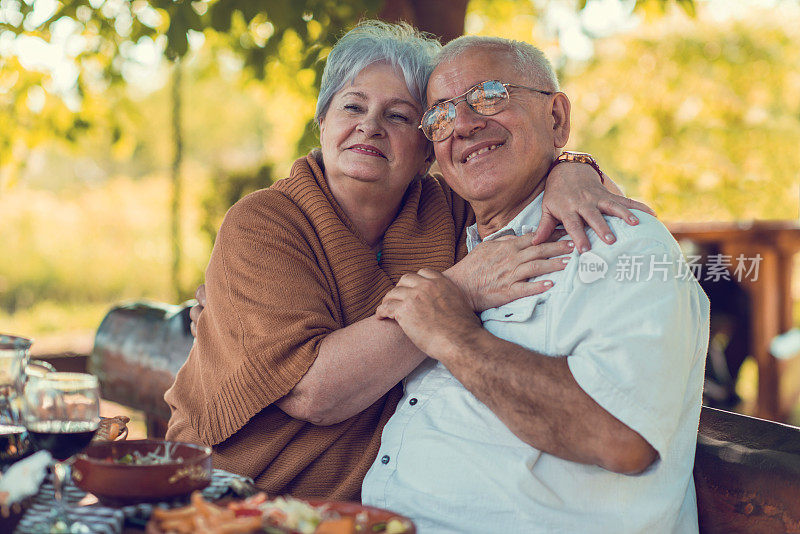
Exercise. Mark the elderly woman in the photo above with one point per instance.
(292, 377)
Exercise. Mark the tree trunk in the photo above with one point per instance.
(175, 205)
(443, 18)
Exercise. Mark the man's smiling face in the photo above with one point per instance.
(494, 162)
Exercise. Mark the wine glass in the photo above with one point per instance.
(14, 443)
(61, 413)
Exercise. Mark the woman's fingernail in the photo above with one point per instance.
(610, 238)
(571, 244)
(547, 283)
(584, 248)
(565, 260)
(633, 219)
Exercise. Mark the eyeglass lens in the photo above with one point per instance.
(486, 98)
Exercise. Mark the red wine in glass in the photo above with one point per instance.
(62, 438)
(62, 412)
(14, 443)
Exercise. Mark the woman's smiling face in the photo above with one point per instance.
(369, 133)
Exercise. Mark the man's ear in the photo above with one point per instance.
(560, 111)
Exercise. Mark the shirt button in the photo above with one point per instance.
(412, 401)
(385, 459)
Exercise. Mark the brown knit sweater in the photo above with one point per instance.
(287, 269)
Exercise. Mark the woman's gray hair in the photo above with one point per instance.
(528, 59)
(374, 41)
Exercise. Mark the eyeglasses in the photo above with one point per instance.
(486, 98)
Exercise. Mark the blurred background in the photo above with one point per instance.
(127, 128)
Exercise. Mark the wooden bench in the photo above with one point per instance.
(747, 470)
(747, 474)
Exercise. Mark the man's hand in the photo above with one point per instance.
(197, 309)
(430, 309)
(574, 195)
(497, 272)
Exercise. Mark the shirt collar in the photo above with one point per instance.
(524, 223)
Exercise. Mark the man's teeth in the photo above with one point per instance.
(370, 150)
(481, 151)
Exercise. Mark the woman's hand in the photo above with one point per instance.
(194, 312)
(574, 196)
(496, 272)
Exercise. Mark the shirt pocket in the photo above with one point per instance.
(524, 322)
(518, 311)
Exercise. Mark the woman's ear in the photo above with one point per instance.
(561, 126)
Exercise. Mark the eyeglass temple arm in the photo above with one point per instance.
(548, 93)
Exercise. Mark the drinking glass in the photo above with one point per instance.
(14, 355)
(61, 413)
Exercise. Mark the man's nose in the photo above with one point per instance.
(371, 126)
(467, 121)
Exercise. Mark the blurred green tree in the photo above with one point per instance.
(108, 31)
(701, 121)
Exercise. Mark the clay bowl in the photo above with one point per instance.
(97, 471)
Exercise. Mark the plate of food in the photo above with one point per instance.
(282, 515)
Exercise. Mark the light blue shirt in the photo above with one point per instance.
(636, 343)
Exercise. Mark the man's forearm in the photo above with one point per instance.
(355, 367)
(538, 399)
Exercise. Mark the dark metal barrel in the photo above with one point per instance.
(138, 350)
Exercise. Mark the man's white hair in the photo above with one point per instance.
(527, 59)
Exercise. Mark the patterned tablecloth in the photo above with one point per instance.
(107, 520)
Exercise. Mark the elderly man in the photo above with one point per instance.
(571, 411)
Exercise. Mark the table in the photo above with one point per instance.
(112, 519)
(775, 242)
